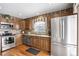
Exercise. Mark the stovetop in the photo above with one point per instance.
(9, 34)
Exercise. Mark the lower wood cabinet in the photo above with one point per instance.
(42, 43)
(18, 39)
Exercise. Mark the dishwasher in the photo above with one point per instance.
(26, 40)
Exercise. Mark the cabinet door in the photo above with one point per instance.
(18, 39)
(30, 40)
(37, 42)
(44, 43)
(2, 19)
(47, 44)
(27, 24)
(22, 24)
(41, 44)
(34, 41)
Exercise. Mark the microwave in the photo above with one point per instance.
(6, 26)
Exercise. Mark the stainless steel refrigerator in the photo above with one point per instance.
(64, 36)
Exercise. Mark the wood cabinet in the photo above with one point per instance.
(18, 39)
(2, 19)
(5, 20)
(15, 21)
(22, 24)
(42, 43)
(27, 24)
(19, 22)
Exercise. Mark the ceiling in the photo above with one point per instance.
(26, 10)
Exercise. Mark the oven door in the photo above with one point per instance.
(8, 40)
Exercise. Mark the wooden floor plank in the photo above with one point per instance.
(21, 51)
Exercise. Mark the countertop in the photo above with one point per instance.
(38, 35)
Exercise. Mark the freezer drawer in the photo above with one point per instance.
(61, 50)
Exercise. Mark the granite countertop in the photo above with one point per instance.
(38, 35)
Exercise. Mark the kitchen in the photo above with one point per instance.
(33, 32)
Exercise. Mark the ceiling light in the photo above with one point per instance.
(50, 4)
(0, 7)
(20, 14)
(37, 13)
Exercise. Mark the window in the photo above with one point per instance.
(40, 25)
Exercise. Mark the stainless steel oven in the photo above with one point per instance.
(8, 42)
(7, 36)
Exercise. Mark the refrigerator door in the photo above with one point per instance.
(61, 50)
(70, 30)
(64, 30)
(56, 24)
(0, 45)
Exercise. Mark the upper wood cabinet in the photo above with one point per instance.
(16, 22)
(3, 20)
(6, 18)
(27, 24)
(22, 24)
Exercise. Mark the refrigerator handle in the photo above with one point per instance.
(61, 28)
